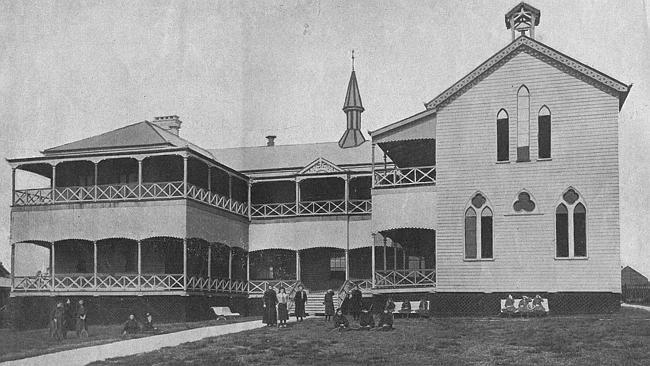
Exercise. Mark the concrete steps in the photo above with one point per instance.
(315, 306)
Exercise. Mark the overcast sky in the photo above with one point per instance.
(235, 71)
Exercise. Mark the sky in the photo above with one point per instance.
(236, 71)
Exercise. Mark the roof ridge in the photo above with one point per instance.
(98, 135)
(264, 146)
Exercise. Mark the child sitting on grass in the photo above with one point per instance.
(340, 321)
(365, 319)
(385, 321)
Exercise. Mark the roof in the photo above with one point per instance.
(540, 50)
(138, 135)
(353, 97)
(3, 271)
(291, 156)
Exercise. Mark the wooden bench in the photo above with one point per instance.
(223, 312)
(415, 308)
(529, 310)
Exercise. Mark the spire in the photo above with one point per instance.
(353, 109)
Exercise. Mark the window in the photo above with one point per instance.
(503, 136)
(544, 133)
(571, 226)
(478, 232)
(524, 203)
(337, 264)
(523, 124)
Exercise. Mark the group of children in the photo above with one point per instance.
(132, 326)
(526, 305)
(64, 319)
(383, 321)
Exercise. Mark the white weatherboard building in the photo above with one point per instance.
(507, 183)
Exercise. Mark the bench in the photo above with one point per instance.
(415, 308)
(223, 312)
(528, 311)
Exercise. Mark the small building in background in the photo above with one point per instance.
(630, 277)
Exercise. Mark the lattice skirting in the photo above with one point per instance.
(33, 312)
(463, 303)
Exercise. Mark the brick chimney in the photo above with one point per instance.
(169, 123)
(270, 140)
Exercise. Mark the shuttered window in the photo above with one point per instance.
(544, 133)
(486, 233)
(503, 136)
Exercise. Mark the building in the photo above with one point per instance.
(630, 277)
(506, 183)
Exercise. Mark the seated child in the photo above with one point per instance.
(422, 308)
(385, 321)
(406, 307)
(510, 305)
(131, 326)
(366, 320)
(523, 305)
(538, 308)
(148, 324)
(340, 321)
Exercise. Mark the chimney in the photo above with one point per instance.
(168, 123)
(270, 140)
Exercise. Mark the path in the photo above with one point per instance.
(86, 355)
(642, 307)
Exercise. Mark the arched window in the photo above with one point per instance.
(478, 229)
(561, 231)
(523, 124)
(544, 133)
(571, 226)
(503, 136)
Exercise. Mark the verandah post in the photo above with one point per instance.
(297, 196)
(230, 268)
(96, 175)
(139, 265)
(248, 271)
(52, 272)
(297, 265)
(139, 179)
(249, 200)
(13, 264)
(372, 181)
(13, 192)
(209, 265)
(95, 264)
(185, 176)
(185, 264)
(373, 260)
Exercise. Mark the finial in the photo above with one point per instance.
(352, 60)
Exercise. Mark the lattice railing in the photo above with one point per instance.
(273, 209)
(405, 278)
(126, 192)
(32, 283)
(257, 287)
(161, 282)
(73, 282)
(322, 207)
(359, 206)
(216, 285)
(405, 177)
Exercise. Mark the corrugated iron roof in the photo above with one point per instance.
(290, 156)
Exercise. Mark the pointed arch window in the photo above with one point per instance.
(523, 124)
(503, 136)
(571, 226)
(478, 229)
(544, 133)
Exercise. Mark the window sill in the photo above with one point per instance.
(478, 260)
(524, 161)
(503, 162)
(571, 258)
(545, 159)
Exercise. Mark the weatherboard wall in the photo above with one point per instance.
(584, 156)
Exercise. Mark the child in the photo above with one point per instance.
(385, 321)
(340, 322)
(365, 319)
(510, 305)
(148, 324)
(131, 326)
(283, 312)
(329, 304)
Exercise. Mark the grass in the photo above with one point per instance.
(607, 339)
(29, 343)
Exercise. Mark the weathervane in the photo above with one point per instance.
(352, 60)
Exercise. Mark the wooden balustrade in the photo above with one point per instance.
(126, 192)
(310, 208)
(399, 177)
(405, 278)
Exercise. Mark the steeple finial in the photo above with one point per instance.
(353, 108)
(523, 18)
(352, 60)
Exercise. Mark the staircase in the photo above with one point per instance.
(315, 306)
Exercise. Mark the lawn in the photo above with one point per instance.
(29, 343)
(607, 339)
